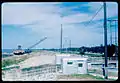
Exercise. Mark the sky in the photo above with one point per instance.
(26, 23)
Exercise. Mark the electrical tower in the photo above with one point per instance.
(113, 23)
(115, 27)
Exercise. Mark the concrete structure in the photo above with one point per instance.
(38, 73)
(74, 65)
(59, 58)
(89, 65)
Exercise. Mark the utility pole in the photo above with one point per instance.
(70, 44)
(61, 40)
(105, 40)
(66, 46)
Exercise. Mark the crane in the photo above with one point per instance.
(19, 51)
(28, 49)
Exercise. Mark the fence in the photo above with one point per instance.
(44, 72)
(98, 70)
(96, 66)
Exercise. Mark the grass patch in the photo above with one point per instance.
(87, 76)
(94, 55)
(9, 62)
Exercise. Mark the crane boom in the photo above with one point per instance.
(37, 43)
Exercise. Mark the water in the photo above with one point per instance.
(11, 50)
(7, 50)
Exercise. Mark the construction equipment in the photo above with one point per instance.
(19, 51)
(29, 51)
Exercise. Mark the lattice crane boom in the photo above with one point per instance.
(37, 43)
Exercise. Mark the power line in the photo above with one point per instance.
(94, 15)
(85, 25)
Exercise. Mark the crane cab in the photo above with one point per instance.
(19, 51)
(28, 51)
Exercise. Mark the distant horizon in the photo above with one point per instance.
(58, 48)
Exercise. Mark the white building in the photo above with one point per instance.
(74, 65)
(59, 58)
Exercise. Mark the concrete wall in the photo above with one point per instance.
(78, 66)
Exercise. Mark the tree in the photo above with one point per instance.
(82, 51)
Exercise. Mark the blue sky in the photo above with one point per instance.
(26, 23)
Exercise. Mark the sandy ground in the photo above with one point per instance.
(45, 57)
(38, 59)
(17, 57)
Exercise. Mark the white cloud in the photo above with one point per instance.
(93, 6)
(48, 22)
(22, 14)
(112, 9)
(81, 36)
(76, 18)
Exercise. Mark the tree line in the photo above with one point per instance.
(96, 49)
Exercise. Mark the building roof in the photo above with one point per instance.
(63, 54)
(75, 58)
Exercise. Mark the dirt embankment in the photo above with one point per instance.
(14, 59)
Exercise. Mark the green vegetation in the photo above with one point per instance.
(87, 76)
(30, 68)
(82, 53)
(4, 68)
(9, 62)
(36, 50)
(94, 55)
(113, 74)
